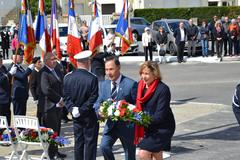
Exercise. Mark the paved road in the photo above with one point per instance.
(196, 82)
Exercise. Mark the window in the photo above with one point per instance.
(108, 8)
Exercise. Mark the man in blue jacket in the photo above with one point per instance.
(117, 87)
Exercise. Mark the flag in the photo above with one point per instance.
(41, 32)
(54, 32)
(26, 32)
(123, 29)
(95, 34)
(73, 40)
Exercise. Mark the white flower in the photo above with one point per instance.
(110, 110)
(131, 107)
(45, 136)
(101, 109)
(117, 113)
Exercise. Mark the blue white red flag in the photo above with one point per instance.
(123, 29)
(95, 34)
(26, 32)
(73, 41)
(54, 31)
(41, 31)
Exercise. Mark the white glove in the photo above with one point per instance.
(13, 70)
(117, 53)
(31, 66)
(35, 102)
(75, 112)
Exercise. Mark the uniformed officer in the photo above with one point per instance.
(80, 92)
(5, 96)
(20, 86)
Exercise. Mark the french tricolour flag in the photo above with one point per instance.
(41, 32)
(54, 31)
(26, 32)
(95, 34)
(123, 29)
(73, 41)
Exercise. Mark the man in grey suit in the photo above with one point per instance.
(117, 87)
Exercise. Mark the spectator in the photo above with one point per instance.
(233, 30)
(219, 34)
(161, 39)
(226, 35)
(15, 44)
(147, 43)
(34, 86)
(5, 43)
(154, 97)
(192, 33)
(180, 38)
(211, 27)
(204, 38)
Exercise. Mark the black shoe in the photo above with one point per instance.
(61, 155)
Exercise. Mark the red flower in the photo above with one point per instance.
(44, 129)
(122, 112)
(34, 135)
(136, 110)
(54, 135)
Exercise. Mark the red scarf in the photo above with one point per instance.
(139, 130)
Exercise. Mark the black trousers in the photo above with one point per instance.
(219, 46)
(148, 50)
(225, 44)
(213, 44)
(5, 53)
(5, 111)
(52, 119)
(180, 51)
(19, 106)
(85, 136)
(233, 43)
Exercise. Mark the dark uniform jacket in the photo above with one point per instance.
(50, 92)
(4, 86)
(20, 86)
(81, 90)
(177, 35)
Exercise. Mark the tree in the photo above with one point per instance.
(34, 7)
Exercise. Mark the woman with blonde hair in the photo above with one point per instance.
(153, 97)
(219, 34)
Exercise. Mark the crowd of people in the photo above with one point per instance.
(223, 34)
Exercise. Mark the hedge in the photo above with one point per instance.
(202, 13)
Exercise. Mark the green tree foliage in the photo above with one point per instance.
(202, 13)
(34, 6)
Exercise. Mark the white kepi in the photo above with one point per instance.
(83, 56)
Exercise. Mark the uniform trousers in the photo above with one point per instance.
(85, 135)
(5, 111)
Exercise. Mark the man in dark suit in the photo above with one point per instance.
(80, 93)
(117, 87)
(5, 95)
(20, 85)
(180, 38)
(51, 99)
(5, 43)
(34, 85)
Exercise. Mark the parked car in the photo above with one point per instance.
(133, 48)
(138, 25)
(170, 25)
(63, 33)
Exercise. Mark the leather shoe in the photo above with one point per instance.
(61, 155)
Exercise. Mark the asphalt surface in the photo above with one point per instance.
(201, 102)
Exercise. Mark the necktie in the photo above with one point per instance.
(21, 68)
(55, 74)
(114, 90)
